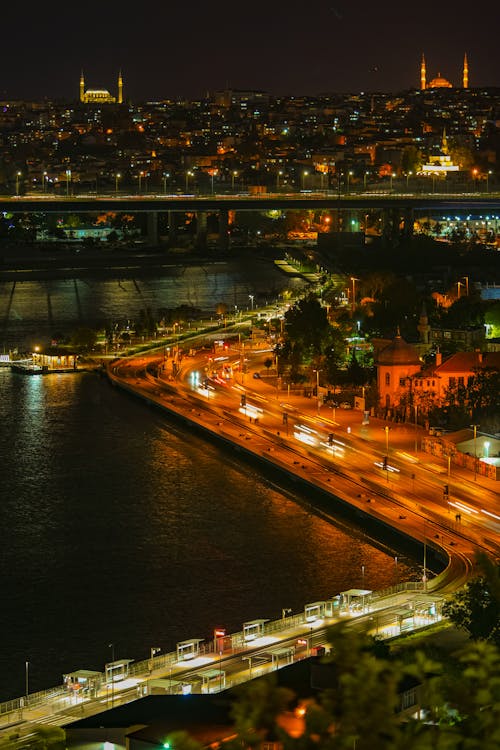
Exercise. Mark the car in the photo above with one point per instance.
(256, 375)
(345, 405)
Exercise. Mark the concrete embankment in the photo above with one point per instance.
(327, 490)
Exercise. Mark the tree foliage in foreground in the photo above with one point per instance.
(362, 706)
(476, 606)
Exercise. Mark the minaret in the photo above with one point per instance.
(466, 73)
(82, 87)
(423, 83)
(444, 143)
(120, 88)
(423, 326)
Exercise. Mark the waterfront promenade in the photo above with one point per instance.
(407, 505)
(198, 666)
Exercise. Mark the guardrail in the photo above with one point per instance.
(62, 699)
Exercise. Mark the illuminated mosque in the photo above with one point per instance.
(439, 82)
(100, 96)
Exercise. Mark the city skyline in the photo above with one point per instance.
(166, 53)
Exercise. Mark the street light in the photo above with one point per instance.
(392, 177)
(68, 178)
(112, 647)
(364, 180)
(408, 175)
(165, 177)
(251, 297)
(141, 175)
(117, 178)
(474, 427)
(349, 175)
(488, 180)
(44, 181)
(154, 650)
(18, 175)
(466, 279)
(353, 301)
(278, 175)
(233, 175)
(27, 668)
(188, 175)
(212, 175)
(305, 173)
(317, 386)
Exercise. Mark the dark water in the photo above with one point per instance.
(116, 527)
(32, 312)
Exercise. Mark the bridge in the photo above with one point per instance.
(396, 208)
(422, 202)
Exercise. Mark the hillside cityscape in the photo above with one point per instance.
(372, 383)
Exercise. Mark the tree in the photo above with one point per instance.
(268, 362)
(256, 707)
(476, 606)
(307, 323)
(84, 338)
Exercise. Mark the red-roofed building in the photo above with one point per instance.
(404, 383)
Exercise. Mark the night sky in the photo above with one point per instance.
(168, 49)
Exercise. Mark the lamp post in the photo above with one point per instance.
(165, 177)
(233, 175)
(18, 175)
(141, 175)
(408, 175)
(212, 175)
(424, 576)
(154, 650)
(353, 301)
(317, 371)
(251, 297)
(466, 279)
(349, 175)
(68, 179)
(278, 175)
(112, 647)
(416, 429)
(26, 676)
(305, 173)
(364, 180)
(474, 427)
(44, 182)
(386, 430)
(188, 175)
(117, 179)
(474, 176)
(488, 180)
(392, 177)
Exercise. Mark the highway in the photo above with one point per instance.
(326, 451)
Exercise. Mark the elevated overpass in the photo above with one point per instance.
(396, 208)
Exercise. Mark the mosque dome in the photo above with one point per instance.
(398, 353)
(439, 83)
